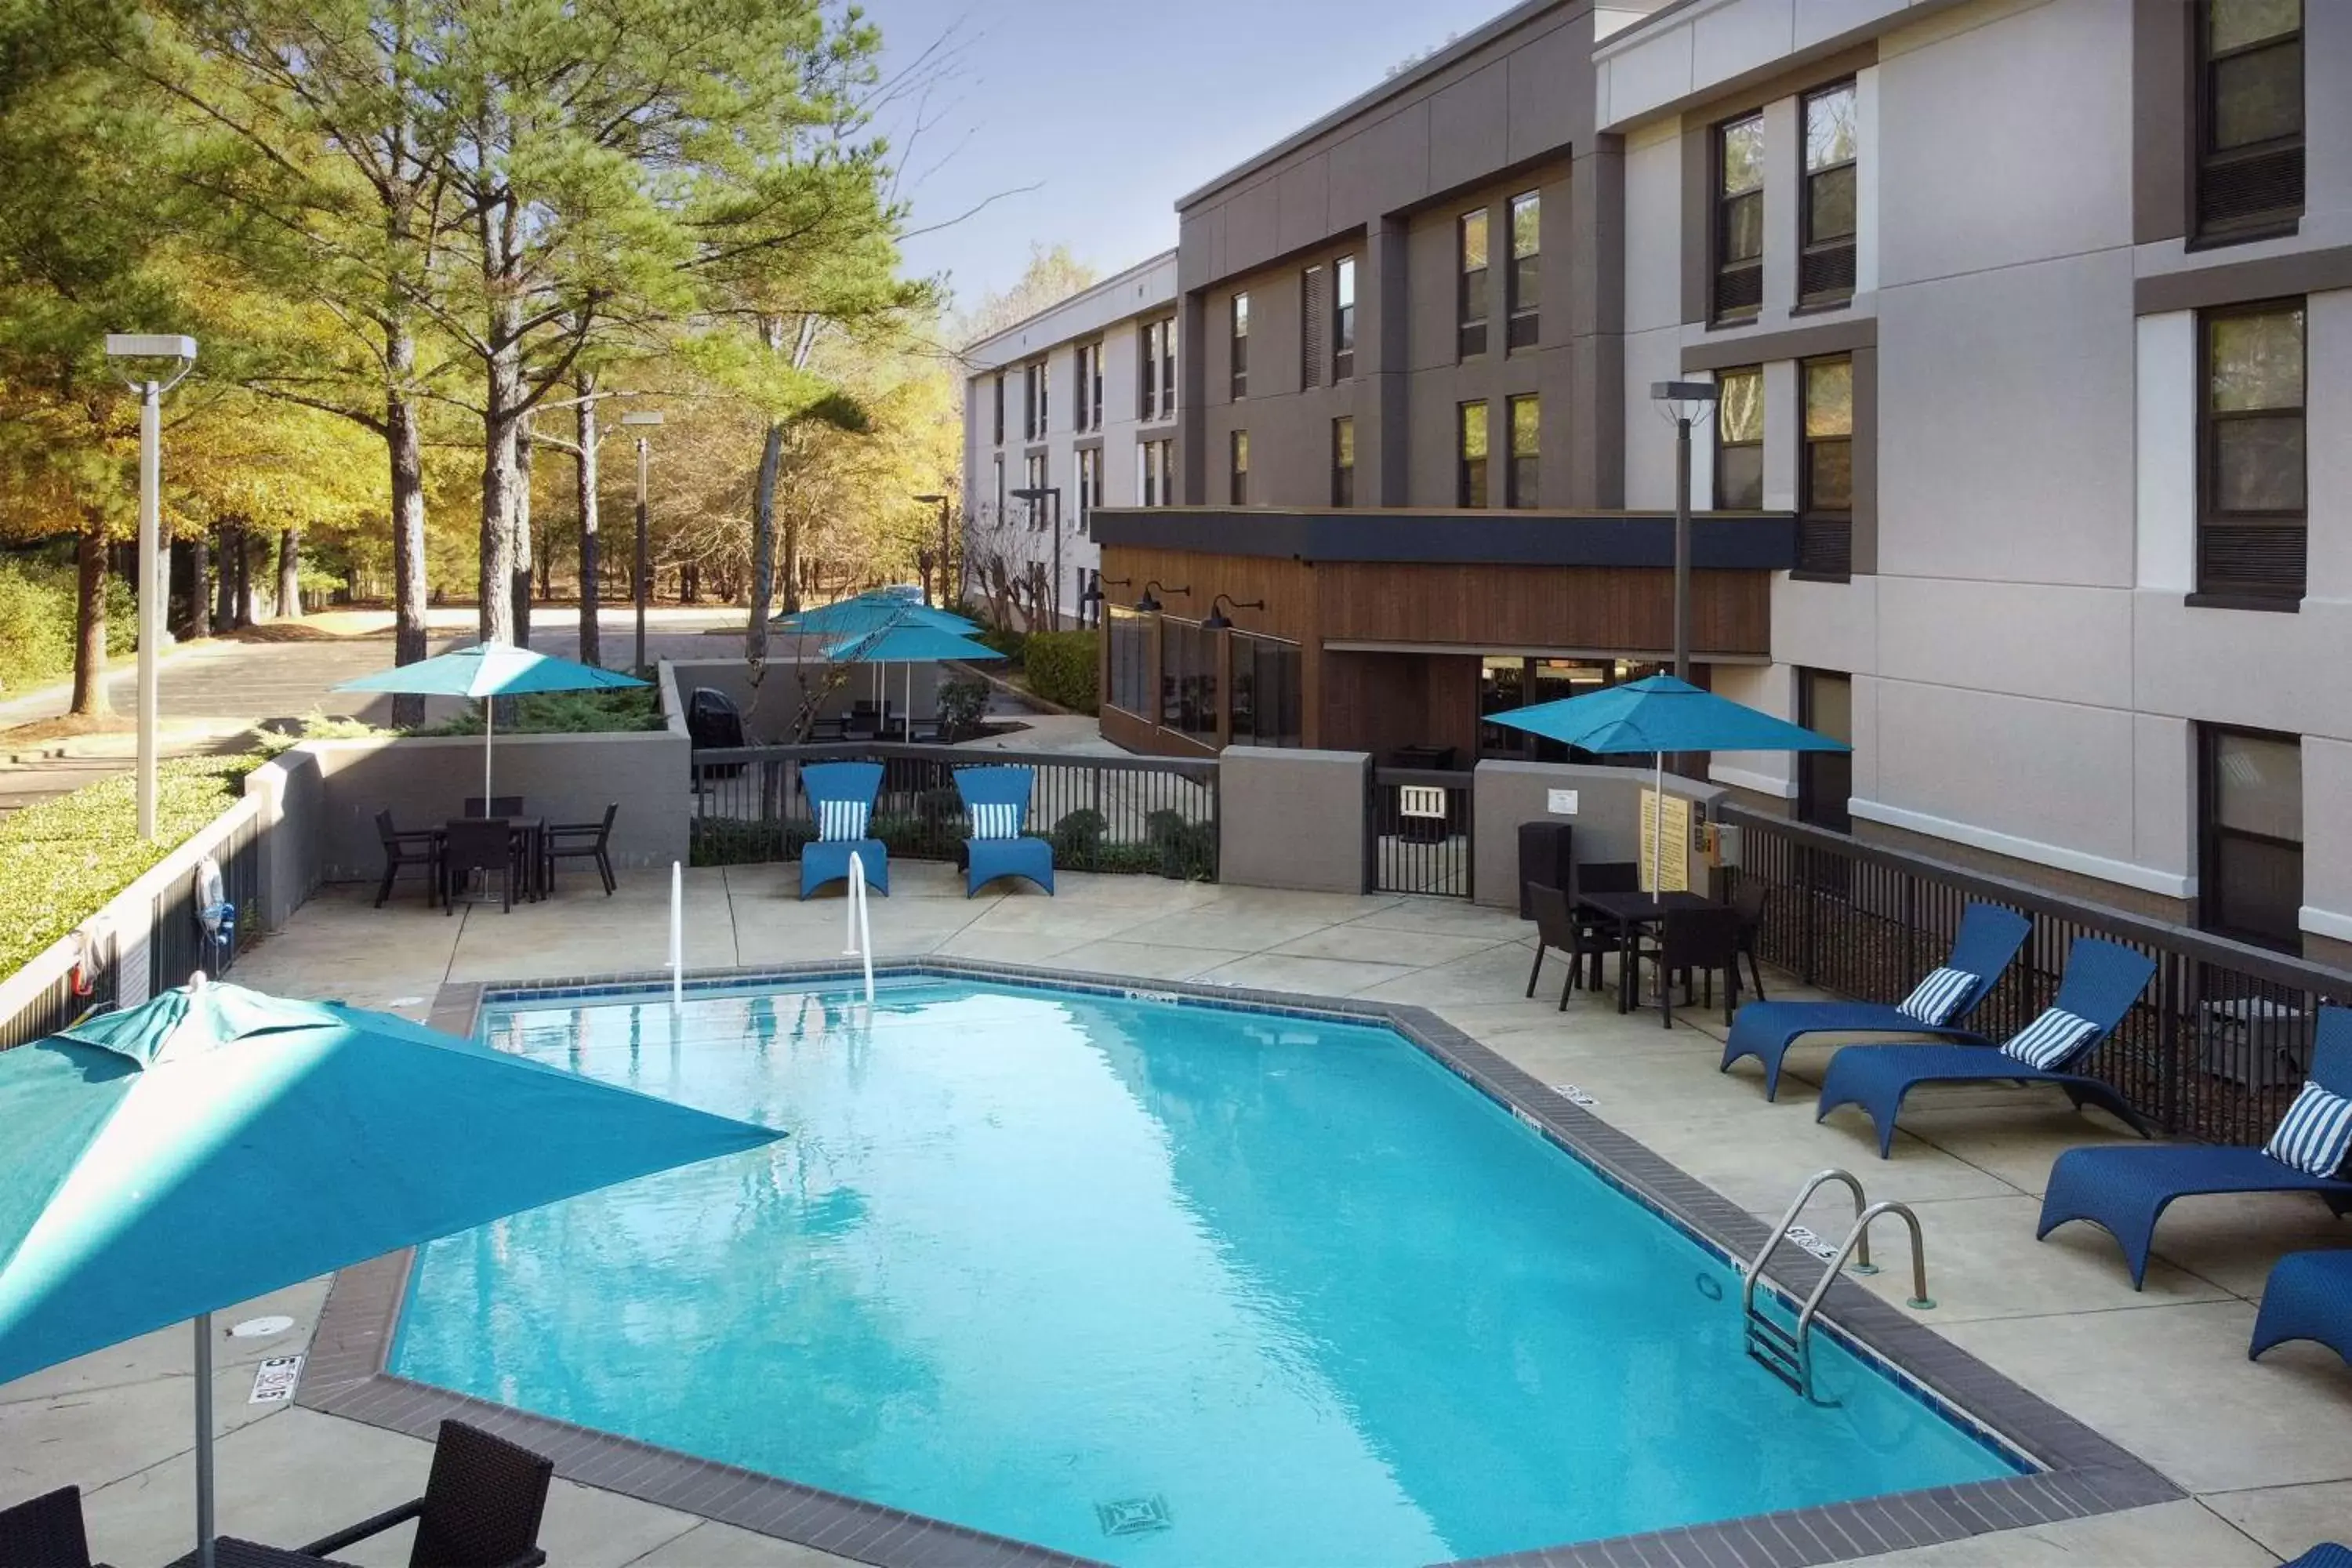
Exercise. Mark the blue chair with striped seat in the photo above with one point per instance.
(2309, 1297)
(2103, 979)
(2326, 1554)
(2125, 1192)
(1988, 938)
(841, 795)
(996, 804)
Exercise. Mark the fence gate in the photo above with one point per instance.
(1420, 828)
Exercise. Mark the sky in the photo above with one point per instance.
(1081, 122)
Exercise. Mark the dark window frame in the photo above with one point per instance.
(1472, 475)
(1473, 297)
(1238, 326)
(1524, 282)
(1813, 805)
(999, 380)
(2211, 832)
(1343, 317)
(1522, 472)
(1723, 445)
(1343, 474)
(2280, 158)
(1745, 274)
(1237, 466)
(2219, 588)
(1825, 267)
(1824, 534)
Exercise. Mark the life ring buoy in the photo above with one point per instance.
(211, 898)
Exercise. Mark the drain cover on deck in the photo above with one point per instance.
(261, 1328)
(1134, 1515)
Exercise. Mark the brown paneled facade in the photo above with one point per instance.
(1390, 655)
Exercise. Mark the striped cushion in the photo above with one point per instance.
(1938, 996)
(999, 819)
(839, 821)
(2315, 1134)
(2050, 1039)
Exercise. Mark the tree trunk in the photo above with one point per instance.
(763, 549)
(90, 624)
(408, 585)
(225, 586)
(522, 553)
(289, 575)
(200, 584)
(583, 469)
(241, 608)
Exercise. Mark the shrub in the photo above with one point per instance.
(564, 714)
(1003, 639)
(314, 726)
(960, 704)
(1062, 669)
(1079, 834)
(36, 629)
(1188, 850)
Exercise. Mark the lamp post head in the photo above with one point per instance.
(129, 350)
(1682, 401)
(1038, 492)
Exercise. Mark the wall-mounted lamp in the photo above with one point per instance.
(1218, 621)
(1149, 604)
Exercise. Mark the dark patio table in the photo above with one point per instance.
(1632, 910)
(528, 835)
(228, 1552)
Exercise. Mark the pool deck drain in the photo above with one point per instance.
(2080, 1474)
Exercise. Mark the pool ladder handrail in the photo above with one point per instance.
(1787, 1354)
(858, 939)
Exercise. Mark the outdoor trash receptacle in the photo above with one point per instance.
(1543, 859)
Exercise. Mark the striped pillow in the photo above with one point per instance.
(1938, 996)
(2315, 1134)
(840, 821)
(2048, 1039)
(996, 819)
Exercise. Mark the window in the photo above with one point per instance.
(2250, 118)
(1087, 385)
(1470, 487)
(1526, 431)
(1825, 257)
(1739, 220)
(1188, 680)
(1825, 468)
(1343, 319)
(1089, 485)
(1472, 246)
(1033, 478)
(1343, 461)
(1526, 269)
(1312, 309)
(999, 515)
(1035, 388)
(1739, 440)
(1000, 409)
(2250, 836)
(1241, 345)
(1266, 696)
(1155, 474)
(1156, 393)
(2252, 521)
(1825, 779)
(1131, 659)
(1240, 452)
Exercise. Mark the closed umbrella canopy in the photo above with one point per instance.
(487, 671)
(216, 1143)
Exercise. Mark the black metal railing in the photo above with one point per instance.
(2215, 1048)
(1420, 828)
(1150, 816)
(180, 943)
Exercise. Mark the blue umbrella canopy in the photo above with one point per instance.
(211, 1145)
(490, 670)
(1661, 713)
(868, 614)
(909, 644)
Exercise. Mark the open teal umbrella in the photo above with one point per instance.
(870, 613)
(1657, 715)
(910, 645)
(487, 671)
(216, 1143)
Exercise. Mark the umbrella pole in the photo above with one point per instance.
(205, 1439)
(1657, 824)
(489, 722)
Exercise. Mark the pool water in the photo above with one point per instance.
(1149, 1283)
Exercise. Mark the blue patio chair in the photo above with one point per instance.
(2125, 1192)
(2309, 1297)
(2326, 1554)
(1988, 938)
(2103, 979)
(842, 797)
(996, 803)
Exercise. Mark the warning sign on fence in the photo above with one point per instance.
(1665, 842)
(1421, 800)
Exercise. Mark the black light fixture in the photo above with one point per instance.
(1150, 605)
(1094, 583)
(1218, 621)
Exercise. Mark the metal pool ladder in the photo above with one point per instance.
(1789, 1354)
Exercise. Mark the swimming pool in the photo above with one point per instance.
(1149, 1283)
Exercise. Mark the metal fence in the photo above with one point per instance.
(1420, 831)
(2215, 1048)
(178, 944)
(1151, 815)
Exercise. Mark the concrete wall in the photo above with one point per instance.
(1607, 823)
(291, 797)
(562, 778)
(1289, 818)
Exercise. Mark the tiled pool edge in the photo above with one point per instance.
(2084, 1473)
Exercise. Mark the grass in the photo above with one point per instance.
(62, 859)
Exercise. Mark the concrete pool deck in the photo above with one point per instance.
(2264, 1449)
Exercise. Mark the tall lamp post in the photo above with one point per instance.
(941, 502)
(1683, 402)
(642, 419)
(151, 351)
(1054, 599)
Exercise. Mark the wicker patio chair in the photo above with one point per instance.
(481, 1506)
(46, 1532)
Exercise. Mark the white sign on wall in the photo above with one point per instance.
(1421, 800)
(1561, 802)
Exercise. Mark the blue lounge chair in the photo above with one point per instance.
(2309, 1297)
(2103, 979)
(841, 795)
(1988, 938)
(996, 803)
(2125, 1191)
(2326, 1554)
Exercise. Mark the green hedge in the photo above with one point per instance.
(62, 859)
(565, 713)
(1062, 669)
(37, 620)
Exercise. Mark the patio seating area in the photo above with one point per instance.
(2267, 1463)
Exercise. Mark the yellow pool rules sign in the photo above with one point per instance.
(1665, 841)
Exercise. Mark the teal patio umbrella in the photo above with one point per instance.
(216, 1143)
(910, 645)
(487, 671)
(870, 613)
(1657, 715)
